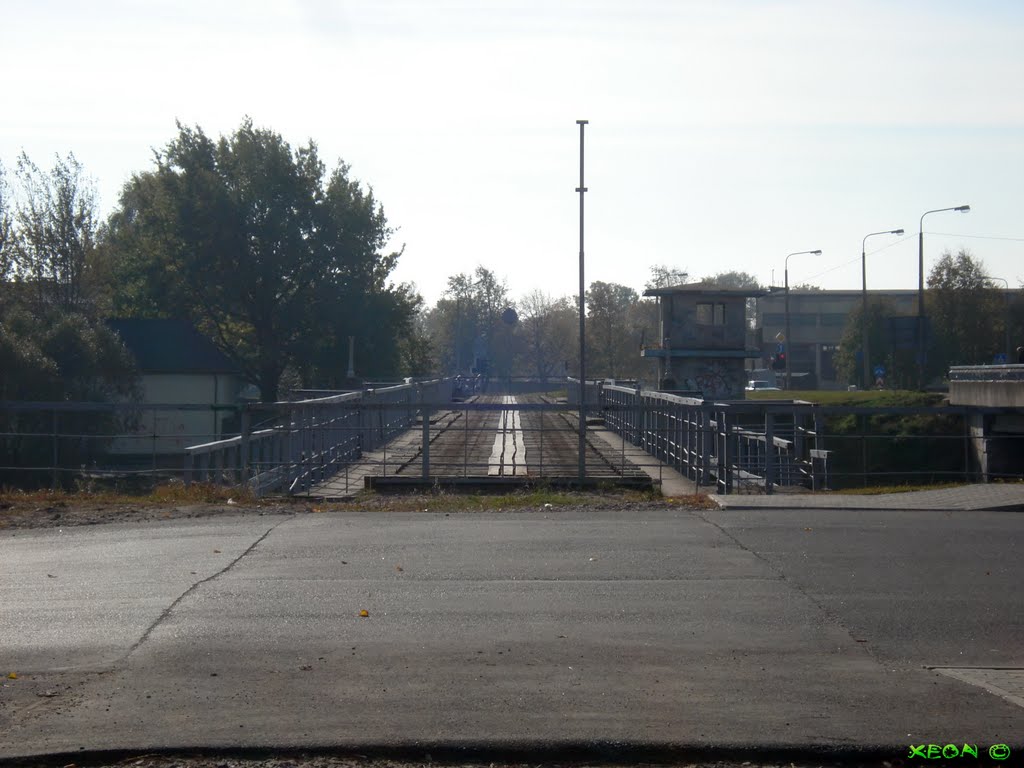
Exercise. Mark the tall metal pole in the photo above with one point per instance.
(919, 330)
(864, 350)
(582, 468)
(788, 342)
(920, 291)
(866, 365)
(787, 346)
(1006, 314)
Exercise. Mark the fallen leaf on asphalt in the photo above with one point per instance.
(364, 613)
(216, 551)
(398, 568)
(12, 676)
(50, 576)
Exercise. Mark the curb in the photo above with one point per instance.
(725, 503)
(516, 752)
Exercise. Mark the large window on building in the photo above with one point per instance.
(710, 314)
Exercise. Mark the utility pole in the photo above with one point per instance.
(582, 469)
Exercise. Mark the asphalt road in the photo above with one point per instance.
(643, 627)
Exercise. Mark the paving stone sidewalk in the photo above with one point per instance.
(991, 496)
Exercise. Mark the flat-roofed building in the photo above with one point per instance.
(705, 339)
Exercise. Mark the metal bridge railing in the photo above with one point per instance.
(774, 445)
(311, 440)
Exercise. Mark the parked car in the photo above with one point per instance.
(761, 386)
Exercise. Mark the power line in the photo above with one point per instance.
(857, 259)
(903, 239)
(979, 237)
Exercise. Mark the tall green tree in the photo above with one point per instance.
(6, 234)
(550, 335)
(277, 262)
(56, 345)
(467, 322)
(54, 248)
(882, 346)
(417, 347)
(612, 342)
(664, 276)
(966, 313)
(53, 343)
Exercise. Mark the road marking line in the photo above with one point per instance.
(508, 454)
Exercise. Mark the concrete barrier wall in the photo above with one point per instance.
(988, 386)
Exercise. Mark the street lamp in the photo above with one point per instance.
(788, 341)
(581, 469)
(1006, 313)
(864, 302)
(920, 289)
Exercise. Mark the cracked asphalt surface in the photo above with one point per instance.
(653, 627)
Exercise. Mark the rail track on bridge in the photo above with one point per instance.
(489, 441)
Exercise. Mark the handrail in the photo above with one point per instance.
(313, 437)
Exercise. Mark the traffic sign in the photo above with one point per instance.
(879, 371)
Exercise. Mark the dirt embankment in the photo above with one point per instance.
(66, 510)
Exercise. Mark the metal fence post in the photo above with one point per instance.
(425, 413)
(246, 433)
(769, 451)
(725, 456)
(540, 415)
(967, 448)
(864, 449)
(56, 451)
(152, 473)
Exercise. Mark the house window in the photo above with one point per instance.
(710, 314)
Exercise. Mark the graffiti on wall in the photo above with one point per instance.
(717, 380)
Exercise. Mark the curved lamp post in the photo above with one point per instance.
(788, 341)
(920, 289)
(864, 304)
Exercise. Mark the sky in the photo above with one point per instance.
(723, 134)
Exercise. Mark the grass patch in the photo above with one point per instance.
(178, 495)
(169, 493)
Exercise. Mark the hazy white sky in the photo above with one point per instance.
(723, 134)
